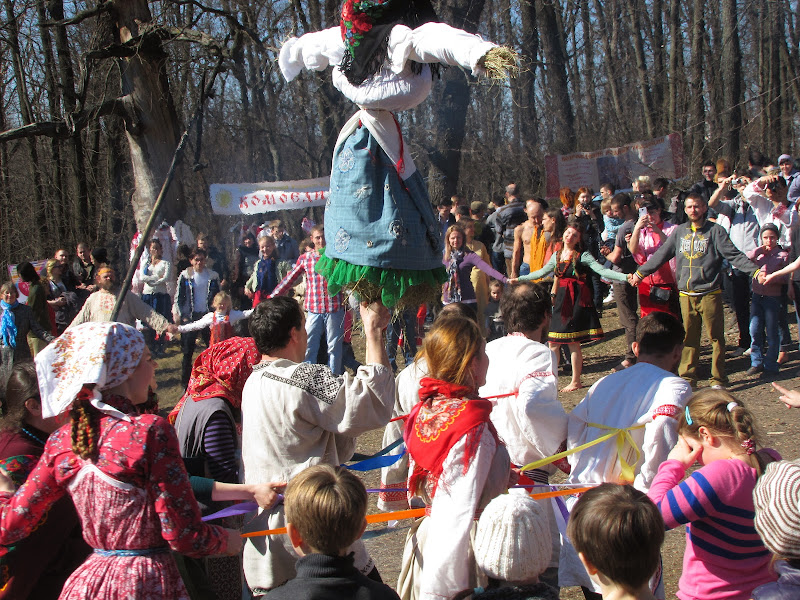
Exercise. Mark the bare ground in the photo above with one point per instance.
(779, 429)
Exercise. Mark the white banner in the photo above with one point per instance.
(659, 157)
(254, 198)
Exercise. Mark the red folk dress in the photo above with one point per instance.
(135, 504)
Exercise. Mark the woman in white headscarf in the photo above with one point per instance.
(122, 469)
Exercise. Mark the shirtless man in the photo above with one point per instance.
(529, 231)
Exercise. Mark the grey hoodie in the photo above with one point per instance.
(698, 256)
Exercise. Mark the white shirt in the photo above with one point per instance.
(201, 290)
(641, 394)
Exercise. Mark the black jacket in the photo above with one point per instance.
(324, 577)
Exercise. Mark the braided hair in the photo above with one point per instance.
(727, 418)
(85, 425)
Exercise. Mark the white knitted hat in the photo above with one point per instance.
(777, 502)
(513, 540)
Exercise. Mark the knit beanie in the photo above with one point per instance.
(513, 540)
(777, 502)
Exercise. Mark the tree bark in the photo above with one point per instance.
(151, 127)
(731, 71)
(560, 105)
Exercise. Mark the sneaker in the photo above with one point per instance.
(610, 298)
(746, 352)
(718, 386)
(754, 370)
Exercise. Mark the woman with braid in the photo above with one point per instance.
(725, 558)
(122, 469)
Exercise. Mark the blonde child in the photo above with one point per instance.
(265, 274)
(725, 558)
(220, 320)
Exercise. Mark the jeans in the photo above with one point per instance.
(407, 323)
(333, 324)
(499, 262)
(699, 311)
(162, 305)
(764, 314)
(783, 321)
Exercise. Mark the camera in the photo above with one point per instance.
(738, 181)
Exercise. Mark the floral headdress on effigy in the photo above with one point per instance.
(366, 25)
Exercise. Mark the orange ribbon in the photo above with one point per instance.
(413, 513)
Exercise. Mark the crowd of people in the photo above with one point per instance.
(274, 405)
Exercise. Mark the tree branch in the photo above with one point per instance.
(72, 123)
(155, 34)
(81, 16)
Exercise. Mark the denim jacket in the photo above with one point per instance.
(184, 298)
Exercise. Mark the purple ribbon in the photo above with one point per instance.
(237, 509)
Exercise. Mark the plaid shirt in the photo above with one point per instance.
(317, 298)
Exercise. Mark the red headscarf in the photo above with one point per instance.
(221, 372)
(432, 430)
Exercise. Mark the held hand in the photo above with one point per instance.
(235, 543)
(634, 280)
(686, 451)
(375, 316)
(513, 477)
(248, 293)
(762, 277)
(267, 495)
(172, 329)
(791, 398)
(512, 280)
(6, 485)
(768, 279)
(605, 250)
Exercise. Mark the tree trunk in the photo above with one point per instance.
(26, 112)
(731, 71)
(452, 96)
(560, 106)
(697, 107)
(633, 8)
(151, 123)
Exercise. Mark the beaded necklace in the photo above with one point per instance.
(34, 437)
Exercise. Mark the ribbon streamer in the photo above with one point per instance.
(413, 513)
(237, 509)
(379, 460)
(622, 435)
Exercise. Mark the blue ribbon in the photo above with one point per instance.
(132, 552)
(379, 460)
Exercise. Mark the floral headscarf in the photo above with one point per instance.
(103, 354)
(220, 372)
(366, 25)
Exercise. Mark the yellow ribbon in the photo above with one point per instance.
(622, 434)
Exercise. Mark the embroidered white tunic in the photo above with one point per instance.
(641, 394)
(530, 419)
(295, 416)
